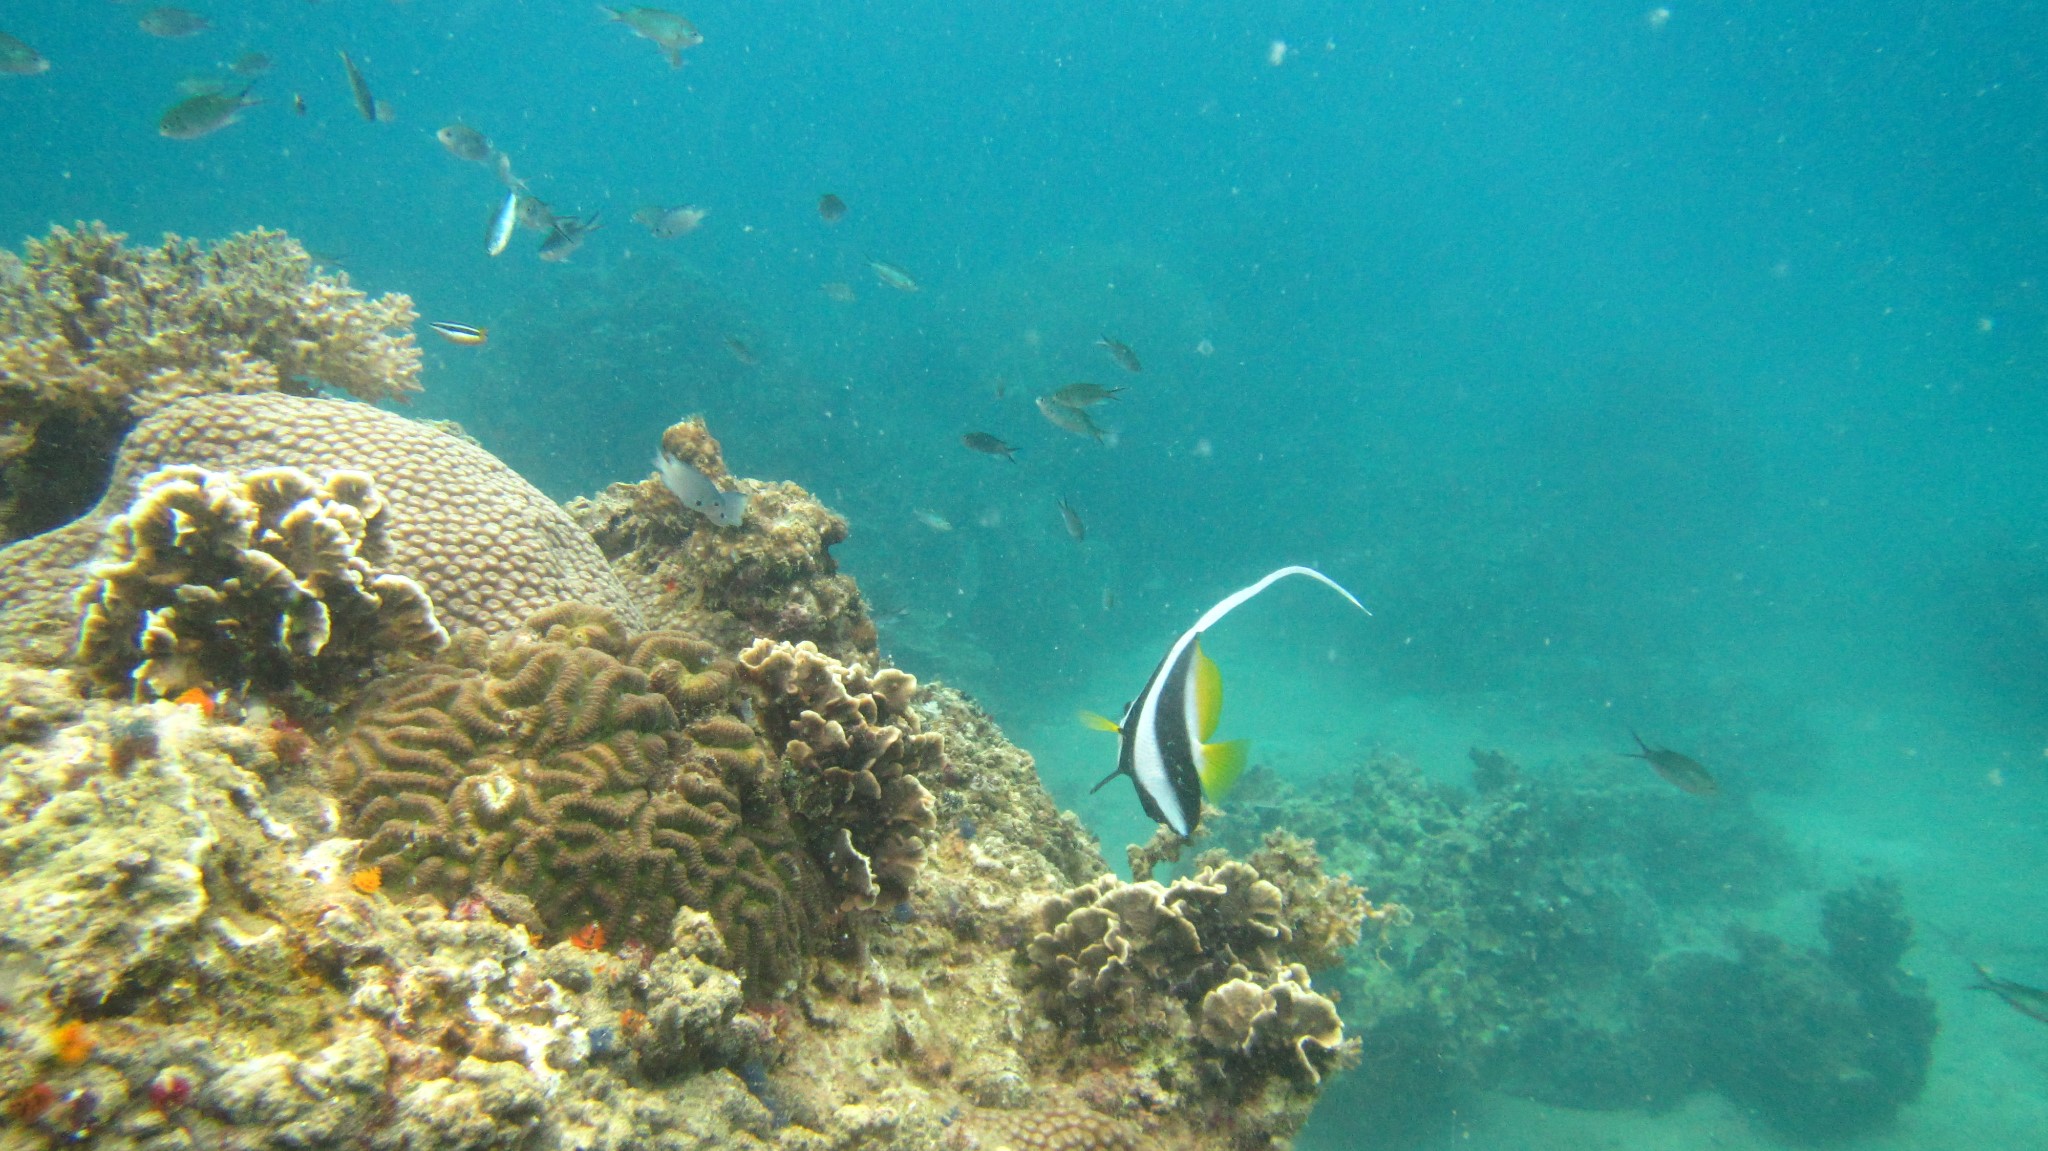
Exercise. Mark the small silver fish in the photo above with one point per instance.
(1121, 353)
(1068, 419)
(534, 212)
(250, 63)
(932, 520)
(670, 32)
(740, 351)
(204, 114)
(699, 494)
(988, 445)
(18, 59)
(1075, 527)
(172, 23)
(359, 89)
(502, 225)
(668, 223)
(1085, 395)
(893, 276)
(466, 143)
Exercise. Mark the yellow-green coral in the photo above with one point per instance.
(264, 580)
(94, 335)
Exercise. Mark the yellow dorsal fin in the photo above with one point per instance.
(1222, 763)
(1099, 722)
(1208, 692)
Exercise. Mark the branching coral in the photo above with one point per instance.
(576, 774)
(854, 751)
(266, 579)
(95, 335)
(772, 575)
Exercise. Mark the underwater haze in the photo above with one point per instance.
(1669, 371)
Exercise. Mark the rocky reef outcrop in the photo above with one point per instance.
(95, 335)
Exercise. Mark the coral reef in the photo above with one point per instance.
(487, 546)
(854, 751)
(263, 580)
(575, 774)
(772, 576)
(1517, 947)
(1820, 1045)
(95, 335)
(1210, 956)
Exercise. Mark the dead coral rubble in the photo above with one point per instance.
(264, 580)
(94, 335)
(771, 576)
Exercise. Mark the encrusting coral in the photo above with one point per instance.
(575, 774)
(488, 547)
(94, 335)
(265, 580)
(771, 576)
(854, 752)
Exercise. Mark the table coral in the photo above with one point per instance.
(264, 581)
(854, 751)
(555, 773)
(95, 335)
(771, 576)
(487, 546)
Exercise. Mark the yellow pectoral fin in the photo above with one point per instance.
(1099, 722)
(1208, 691)
(1222, 764)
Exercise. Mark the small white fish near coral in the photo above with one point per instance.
(698, 493)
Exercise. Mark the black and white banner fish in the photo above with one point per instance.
(1164, 732)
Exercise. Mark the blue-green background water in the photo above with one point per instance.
(1671, 370)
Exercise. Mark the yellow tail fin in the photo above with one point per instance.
(1099, 722)
(1208, 691)
(1222, 764)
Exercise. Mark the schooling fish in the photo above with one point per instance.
(2031, 1002)
(671, 33)
(698, 493)
(1075, 420)
(831, 208)
(1164, 731)
(1084, 395)
(1682, 771)
(893, 276)
(466, 143)
(988, 445)
(18, 59)
(1075, 527)
(204, 114)
(565, 235)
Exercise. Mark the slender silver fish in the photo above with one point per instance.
(502, 225)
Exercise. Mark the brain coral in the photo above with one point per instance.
(573, 773)
(772, 575)
(94, 335)
(264, 578)
(854, 750)
(488, 547)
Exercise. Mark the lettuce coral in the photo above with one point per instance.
(265, 579)
(554, 774)
(855, 750)
(95, 335)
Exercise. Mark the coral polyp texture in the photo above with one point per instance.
(95, 335)
(487, 546)
(771, 576)
(854, 751)
(572, 775)
(264, 580)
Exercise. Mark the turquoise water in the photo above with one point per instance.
(1678, 371)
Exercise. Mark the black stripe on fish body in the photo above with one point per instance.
(1176, 743)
